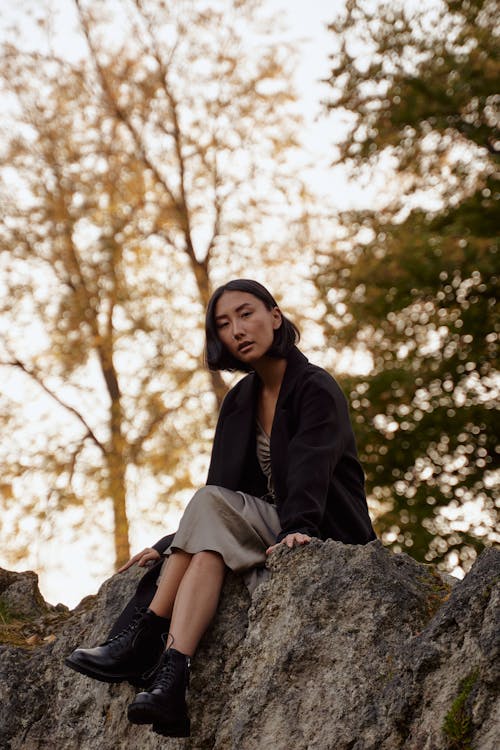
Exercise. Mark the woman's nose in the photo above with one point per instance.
(237, 330)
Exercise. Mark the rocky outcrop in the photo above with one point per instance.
(345, 648)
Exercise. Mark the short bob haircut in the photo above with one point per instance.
(217, 356)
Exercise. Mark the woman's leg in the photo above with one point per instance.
(164, 704)
(197, 593)
(162, 603)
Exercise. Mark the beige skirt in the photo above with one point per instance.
(238, 526)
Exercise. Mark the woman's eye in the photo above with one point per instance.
(245, 314)
(221, 325)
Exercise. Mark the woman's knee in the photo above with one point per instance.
(207, 560)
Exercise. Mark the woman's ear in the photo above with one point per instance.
(277, 318)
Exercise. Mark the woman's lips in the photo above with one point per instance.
(245, 347)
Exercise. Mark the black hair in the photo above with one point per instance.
(217, 357)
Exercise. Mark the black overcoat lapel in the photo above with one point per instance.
(284, 419)
(233, 458)
(237, 431)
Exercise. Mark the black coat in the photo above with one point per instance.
(317, 477)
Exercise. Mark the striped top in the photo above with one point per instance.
(264, 455)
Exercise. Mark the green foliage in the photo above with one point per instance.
(457, 724)
(416, 291)
(404, 73)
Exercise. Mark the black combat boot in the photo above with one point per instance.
(130, 655)
(164, 704)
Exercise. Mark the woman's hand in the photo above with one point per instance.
(141, 558)
(291, 540)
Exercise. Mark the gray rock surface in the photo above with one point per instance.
(345, 648)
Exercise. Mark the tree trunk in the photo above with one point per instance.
(200, 270)
(117, 487)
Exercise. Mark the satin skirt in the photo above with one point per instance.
(238, 526)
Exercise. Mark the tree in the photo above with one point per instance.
(129, 177)
(414, 284)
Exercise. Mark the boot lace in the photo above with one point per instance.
(148, 675)
(117, 640)
(165, 675)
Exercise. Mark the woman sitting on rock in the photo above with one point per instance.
(284, 469)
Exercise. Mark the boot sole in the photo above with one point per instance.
(105, 676)
(138, 714)
(173, 730)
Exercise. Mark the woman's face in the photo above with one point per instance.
(245, 326)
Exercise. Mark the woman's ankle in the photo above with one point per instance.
(159, 611)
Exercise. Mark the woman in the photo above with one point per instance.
(284, 469)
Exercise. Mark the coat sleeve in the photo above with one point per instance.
(215, 457)
(313, 453)
(163, 543)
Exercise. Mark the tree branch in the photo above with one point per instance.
(176, 134)
(150, 429)
(122, 115)
(34, 376)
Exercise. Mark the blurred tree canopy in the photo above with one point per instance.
(413, 285)
(133, 178)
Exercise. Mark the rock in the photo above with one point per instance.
(344, 648)
(20, 596)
